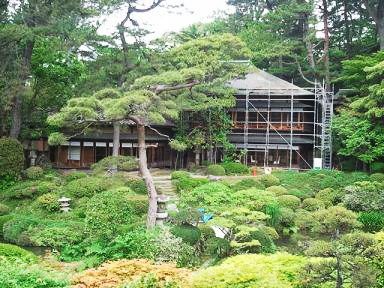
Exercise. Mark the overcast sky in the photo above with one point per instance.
(162, 20)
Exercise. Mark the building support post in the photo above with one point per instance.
(291, 133)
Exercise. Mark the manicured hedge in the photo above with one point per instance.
(15, 252)
(215, 170)
(234, 168)
(11, 158)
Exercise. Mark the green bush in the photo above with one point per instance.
(73, 175)
(254, 199)
(107, 211)
(34, 172)
(4, 209)
(11, 158)
(365, 196)
(185, 216)
(190, 234)
(179, 174)
(234, 168)
(378, 177)
(84, 187)
(210, 196)
(4, 219)
(312, 204)
(15, 252)
(248, 183)
(48, 202)
(137, 185)
(372, 221)
(289, 201)
(122, 163)
(215, 170)
(29, 189)
(330, 196)
(266, 241)
(287, 217)
(17, 229)
(269, 180)
(278, 190)
(218, 247)
(377, 167)
(302, 194)
(187, 184)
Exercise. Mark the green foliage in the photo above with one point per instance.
(185, 216)
(4, 209)
(85, 187)
(15, 252)
(4, 219)
(190, 234)
(16, 230)
(186, 184)
(330, 196)
(218, 247)
(289, 201)
(34, 172)
(234, 168)
(137, 185)
(278, 190)
(246, 184)
(269, 180)
(215, 170)
(11, 158)
(255, 199)
(312, 204)
(73, 175)
(365, 196)
(372, 221)
(378, 177)
(377, 167)
(48, 202)
(122, 163)
(179, 174)
(29, 189)
(279, 271)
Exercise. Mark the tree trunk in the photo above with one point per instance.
(145, 173)
(380, 32)
(377, 13)
(326, 46)
(116, 138)
(339, 276)
(308, 43)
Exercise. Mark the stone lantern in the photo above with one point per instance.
(64, 204)
(162, 213)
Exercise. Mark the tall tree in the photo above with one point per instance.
(376, 11)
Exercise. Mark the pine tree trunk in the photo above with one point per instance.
(326, 45)
(145, 173)
(380, 32)
(116, 138)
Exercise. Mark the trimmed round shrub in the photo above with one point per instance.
(255, 199)
(377, 167)
(235, 168)
(330, 196)
(188, 183)
(4, 219)
(372, 221)
(48, 202)
(122, 163)
(269, 180)
(16, 230)
(218, 247)
(34, 172)
(247, 183)
(302, 194)
(84, 187)
(378, 177)
(15, 252)
(206, 232)
(4, 209)
(289, 201)
(190, 234)
(75, 175)
(266, 241)
(11, 158)
(215, 170)
(28, 189)
(179, 174)
(278, 190)
(137, 185)
(312, 204)
(365, 196)
(287, 217)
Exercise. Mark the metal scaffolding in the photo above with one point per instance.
(320, 133)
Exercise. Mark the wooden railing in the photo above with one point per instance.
(264, 126)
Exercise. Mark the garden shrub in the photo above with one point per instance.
(218, 247)
(248, 183)
(48, 202)
(235, 168)
(84, 187)
(137, 185)
(210, 196)
(184, 216)
(373, 221)
(330, 196)
(278, 190)
(138, 204)
(215, 170)
(116, 273)
(206, 232)
(34, 172)
(122, 163)
(254, 199)
(29, 189)
(301, 193)
(278, 270)
(289, 201)
(151, 281)
(15, 252)
(312, 204)
(365, 196)
(190, 234)
(187, 184)
(287, 217)
(17, 229)
(4, 219)
(11, 158)
(269, 180)
(73, 175)
(19, 275)
(179, 174)
(377, 167)
(4, 209)
(266, 241)
(378, 177)
(106, 211)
